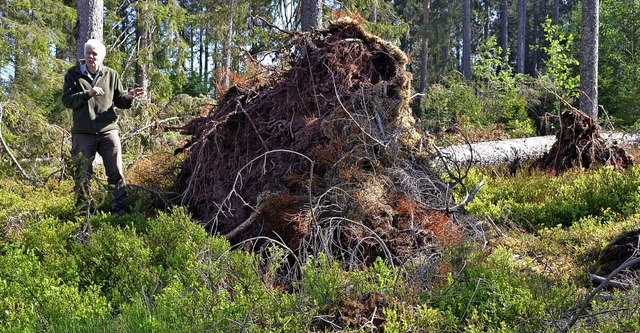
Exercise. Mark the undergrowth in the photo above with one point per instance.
(162, 272)
(534, 199)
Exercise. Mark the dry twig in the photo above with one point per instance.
(594, 292)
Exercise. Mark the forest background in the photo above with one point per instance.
(521, 59)
(517, 72)
(526, 51)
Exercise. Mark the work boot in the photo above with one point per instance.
(118, 208)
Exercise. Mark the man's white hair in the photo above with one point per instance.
(97, 45)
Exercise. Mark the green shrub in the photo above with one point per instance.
(28, 135)
(117, 261)
(175, 241)
(175, 309)
(561, 67)
(451, 103)
(33, 298)
(50, 239)
(53, 198)
(542, 200)
(501, 93)
(167, 274)
(499, 293)
(22, 205)
(613, 315)
(422, 318)
(578, 246)
(323, 281)
(495, 100)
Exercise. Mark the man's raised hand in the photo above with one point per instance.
(135, 92)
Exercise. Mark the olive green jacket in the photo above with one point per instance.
(92, 115)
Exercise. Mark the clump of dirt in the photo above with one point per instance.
(625, 247)
(321, 155)
(580, 143)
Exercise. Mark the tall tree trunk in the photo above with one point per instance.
(144, 46)
(539, 12)
(373, 17)
(466, 40)
(207, 55)
(446, 56)
(201, 30)
(424, 54)
(589, 58)
(310, 14)
(488, 23)
(504, 32)
(556, 12)
(90, 22)
(228, 44)
(522, 35)
(192, 49)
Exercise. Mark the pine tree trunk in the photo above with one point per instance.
(373, 17)
(466, 40)
(522, 35)
(227, 48)
(504, 33)
(90, 23)
(589, 59)
(144, 51)
(424, 47)
(311, 14)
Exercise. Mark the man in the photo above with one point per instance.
(93, 91)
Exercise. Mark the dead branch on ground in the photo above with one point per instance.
(594, 292)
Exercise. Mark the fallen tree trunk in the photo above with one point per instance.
(522, 149)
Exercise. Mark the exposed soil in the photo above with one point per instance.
(580, 143)
(321, 155)
(625, 247)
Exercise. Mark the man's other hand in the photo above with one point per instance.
(135, 92)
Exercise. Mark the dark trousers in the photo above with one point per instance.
(84, 148)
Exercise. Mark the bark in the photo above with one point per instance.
(522, 35)
(144, 52)
(311, 14)
(424, 47)
(589, 59)
(373, 17)
(207, 56)
(466, 40)
(192, 47)
(227, 48)
(536, 60)
(521, 150)
(504, 33)
(90, 22)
